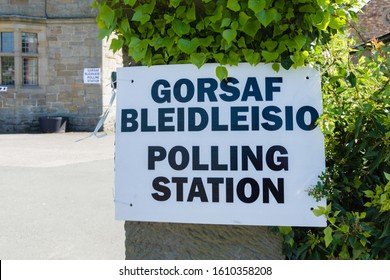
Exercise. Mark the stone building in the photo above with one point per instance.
(45, 48)
(374, 20)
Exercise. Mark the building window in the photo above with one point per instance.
(30, 64)
(19, 62)
(7, 60)
(7, 71)
(7, 42)
(30, 71)
(29, 42)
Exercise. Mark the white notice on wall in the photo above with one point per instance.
(4, 89)
(92, 76)
(193, 149)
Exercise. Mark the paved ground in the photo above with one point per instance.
(56, 197)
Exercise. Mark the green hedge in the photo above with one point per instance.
(356, 125)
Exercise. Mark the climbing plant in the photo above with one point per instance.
(356, 125)
(281, 32)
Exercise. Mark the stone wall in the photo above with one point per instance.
(32, 8)
(66, 47)
(168, 241)
(69, 8)
(67, 43)
(21, 105)
(48, 8)
(73, 46)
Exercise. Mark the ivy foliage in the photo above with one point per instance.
(224, 31)
(356, 125)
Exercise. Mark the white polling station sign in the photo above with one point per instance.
(92, 76)
(193, 149)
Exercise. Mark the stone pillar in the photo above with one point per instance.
(168, 241)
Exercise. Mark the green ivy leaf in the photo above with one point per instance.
(180, 12)
(229, 35)
(217, 15)
(267, 16)
(221, 72)
(188, 46)
(287, 62)
(180, 28)
(116, 44)
(174, 3)
(200, 26)
(284, 229)
(256, 5)
(233, 58)
(300, 41)
(251, 27)
(107, 15)
(270, 45)
(290, 13)
(141, 16)
(233, 5)
(165, 42)
(149, 7)
(308, 9)
(344, 228)
(344, 254)
(219, 57)
(323, 3)
(319, 211)
(241, 42)
(191, 13)
(138, 48)
(276, 67)
(251, 56)
(269, 56)
(226, 22)
(124, 25)
(321, 19)
(130, 2)
(205, 42)
(198, 59)
(158, 59)
(280, 29)
(243, 18)
(337, 22)
(328, 236)
(298, 58)
(234, 25)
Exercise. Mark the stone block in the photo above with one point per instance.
(168, 241)
(51, 98)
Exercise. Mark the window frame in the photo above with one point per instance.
(1, 42)
(30, 56)
(7, 55)
(20, 56)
